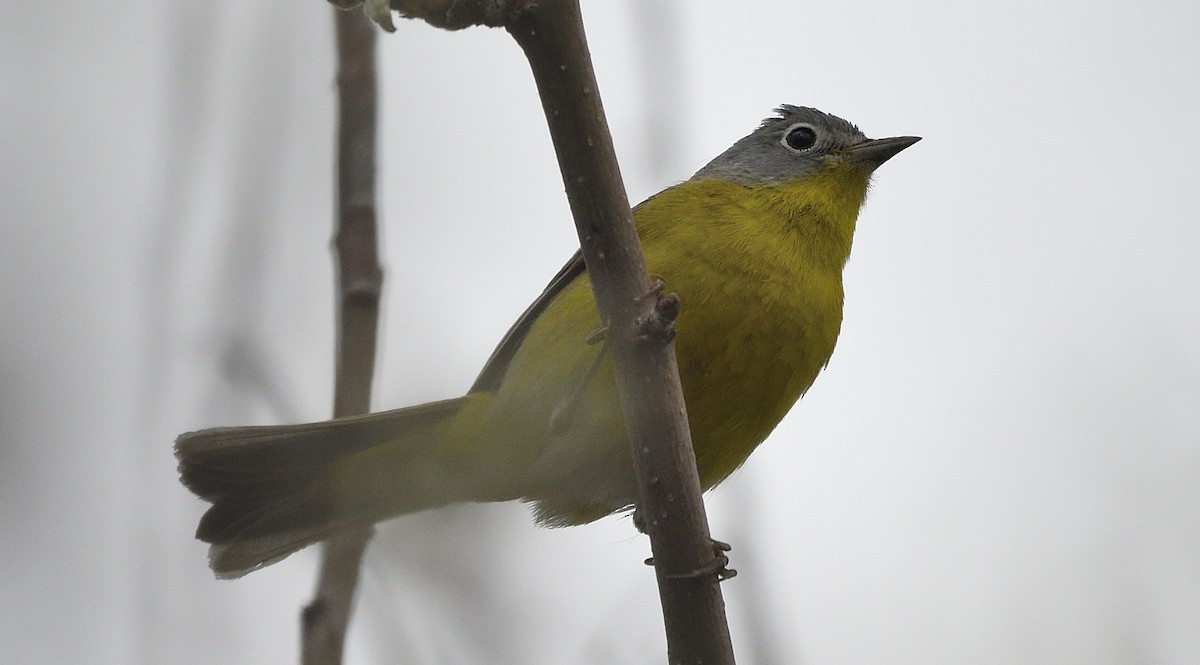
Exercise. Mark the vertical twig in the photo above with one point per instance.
(639, 324)
(324, 620)
(639, 332)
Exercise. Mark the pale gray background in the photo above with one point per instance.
(1001, 464)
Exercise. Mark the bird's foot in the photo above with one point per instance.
(657, 284)
(717, 567)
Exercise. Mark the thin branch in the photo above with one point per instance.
(639, 333)
(639, 322)
(324, 620)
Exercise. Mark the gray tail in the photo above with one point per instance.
(271, 487)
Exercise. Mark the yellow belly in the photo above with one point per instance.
(759, 320)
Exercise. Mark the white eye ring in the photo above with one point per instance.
(799, 141)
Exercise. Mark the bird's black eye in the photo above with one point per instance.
(800, 137)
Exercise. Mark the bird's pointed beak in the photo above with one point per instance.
(873, 152)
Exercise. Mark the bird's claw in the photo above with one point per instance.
(716, 567)
(657, 284)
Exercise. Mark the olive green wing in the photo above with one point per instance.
(497, 365)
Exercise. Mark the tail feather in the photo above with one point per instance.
(272, 487)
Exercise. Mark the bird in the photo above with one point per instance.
(753, 245)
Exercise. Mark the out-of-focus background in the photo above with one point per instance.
(1001, 464)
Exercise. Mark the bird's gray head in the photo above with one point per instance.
(796, 142)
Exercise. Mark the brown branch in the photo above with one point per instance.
(639, 332)
(639, 323)
(324, 620)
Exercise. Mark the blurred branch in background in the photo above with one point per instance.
(360, 279)
(639, 328)
(656, 28)
(639, 333)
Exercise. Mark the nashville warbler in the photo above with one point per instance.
(753, 244)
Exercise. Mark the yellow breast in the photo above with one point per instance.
(758, 272)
